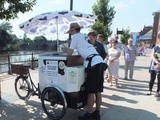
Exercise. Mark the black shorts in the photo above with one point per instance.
(95, 78)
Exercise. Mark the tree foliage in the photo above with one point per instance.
(105, 14)
(4, 38)
(125, 36)
(14, 43)
(10, 8)
(40, 38)
(8, 40)
(6, 26)
(26, 39)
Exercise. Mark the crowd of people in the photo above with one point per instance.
(98, 55)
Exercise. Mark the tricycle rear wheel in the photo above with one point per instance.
(53, 103)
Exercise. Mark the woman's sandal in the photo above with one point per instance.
(108, 80)
(149, 93)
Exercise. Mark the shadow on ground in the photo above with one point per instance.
(120, 112)
(139, 68)
(32, 110)
(133, 87)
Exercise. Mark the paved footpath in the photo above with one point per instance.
(129, 102)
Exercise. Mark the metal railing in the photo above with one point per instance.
(8, 59)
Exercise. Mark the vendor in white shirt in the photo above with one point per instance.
(95, 70)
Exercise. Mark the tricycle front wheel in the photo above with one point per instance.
(53, 103)
(22, 87)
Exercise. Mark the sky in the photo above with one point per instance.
(132, 14)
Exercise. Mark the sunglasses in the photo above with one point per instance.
(115, 42)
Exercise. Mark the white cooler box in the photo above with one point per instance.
(53, 70)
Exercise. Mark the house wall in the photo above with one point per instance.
(156, 27)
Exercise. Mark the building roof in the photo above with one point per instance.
(147, 35)
(145, 30)
(158, 11)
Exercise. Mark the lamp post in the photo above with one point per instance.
(71, 4)
(119, 31)
(71, 8)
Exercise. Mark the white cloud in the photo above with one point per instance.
(59, 2)
(125, 5)
(158, 1)
(120, 5)
(133, 1)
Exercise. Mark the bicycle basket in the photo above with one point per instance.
(19, 68)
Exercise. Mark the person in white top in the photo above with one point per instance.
(109, 43)
(113, 61)
(95, 70)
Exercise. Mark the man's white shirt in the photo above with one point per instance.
(85, 49)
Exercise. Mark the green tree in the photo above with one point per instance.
(125, 36)
(5, 38)
(14, 43)
(40, 38)
(8, 40)
(25, 37)
(6, 26)
(10, 8)
(105, 14)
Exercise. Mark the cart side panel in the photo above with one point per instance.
(53, 70)
(75, 78)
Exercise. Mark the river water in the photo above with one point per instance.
(16, 57)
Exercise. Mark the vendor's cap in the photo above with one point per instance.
(73, 26)
(100, 35)
(92, 33)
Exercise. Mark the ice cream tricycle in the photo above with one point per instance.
(61, 83)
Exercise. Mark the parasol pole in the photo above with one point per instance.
(71, 8)
(71, 5)
(57, 35)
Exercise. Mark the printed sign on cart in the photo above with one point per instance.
(72, 76)
(52, 72)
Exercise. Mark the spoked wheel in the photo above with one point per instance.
(53, 103)
(22, 87)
